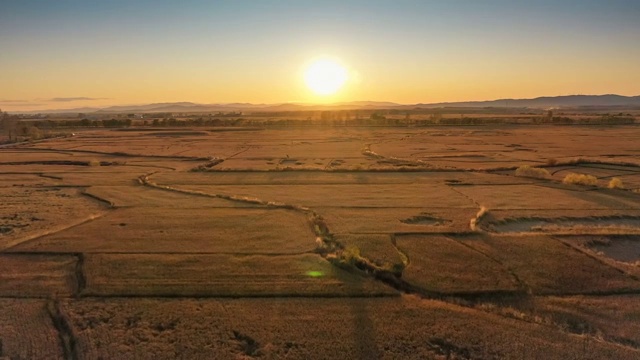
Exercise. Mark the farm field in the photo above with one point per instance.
(312, 242)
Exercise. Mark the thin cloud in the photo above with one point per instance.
(79, 98)
(3, 101)
(13, 107)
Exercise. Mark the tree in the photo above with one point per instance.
(9, 125)
(34, 133)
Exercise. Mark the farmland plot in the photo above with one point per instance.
(369, 242)
(174, 230)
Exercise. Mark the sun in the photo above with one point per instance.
(325, 76)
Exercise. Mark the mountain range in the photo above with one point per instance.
(547, 102)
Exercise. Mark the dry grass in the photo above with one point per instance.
(473, 224)
(27, 331)
(532, 172)
(615, 183)
(580, 179)
(398, 328)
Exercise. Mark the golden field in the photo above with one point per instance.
(312, 242)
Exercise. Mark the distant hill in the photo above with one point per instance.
(547, 102)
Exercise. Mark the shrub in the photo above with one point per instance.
(552, 161)
(615, 183)
(580, 179)
(94, 163)
(351, 255)
(528, 171)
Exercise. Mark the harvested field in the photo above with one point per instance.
(13, 180)
(204, 230)
(562, 222)
(620, 224)
(441, 265)
(528, 197)
(614, 318)
(405, 328)
(28, 331)
(183, 275)
(547, 266)
(29, 212)
(618, 251)
(394, 220)
(36, 275)
(378, 249)
(333, 178)
(620, 248)
(305, 242)
(142, 196)
(366, 195)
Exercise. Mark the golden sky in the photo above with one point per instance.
(71, 54)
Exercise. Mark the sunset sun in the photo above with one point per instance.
(325, 76)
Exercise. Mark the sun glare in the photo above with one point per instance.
(325, 76)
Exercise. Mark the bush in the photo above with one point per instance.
(615, 183)
(580, 179)
(351, 255)
(94, 163)
(528, 171)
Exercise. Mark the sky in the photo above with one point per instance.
(90, 53)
